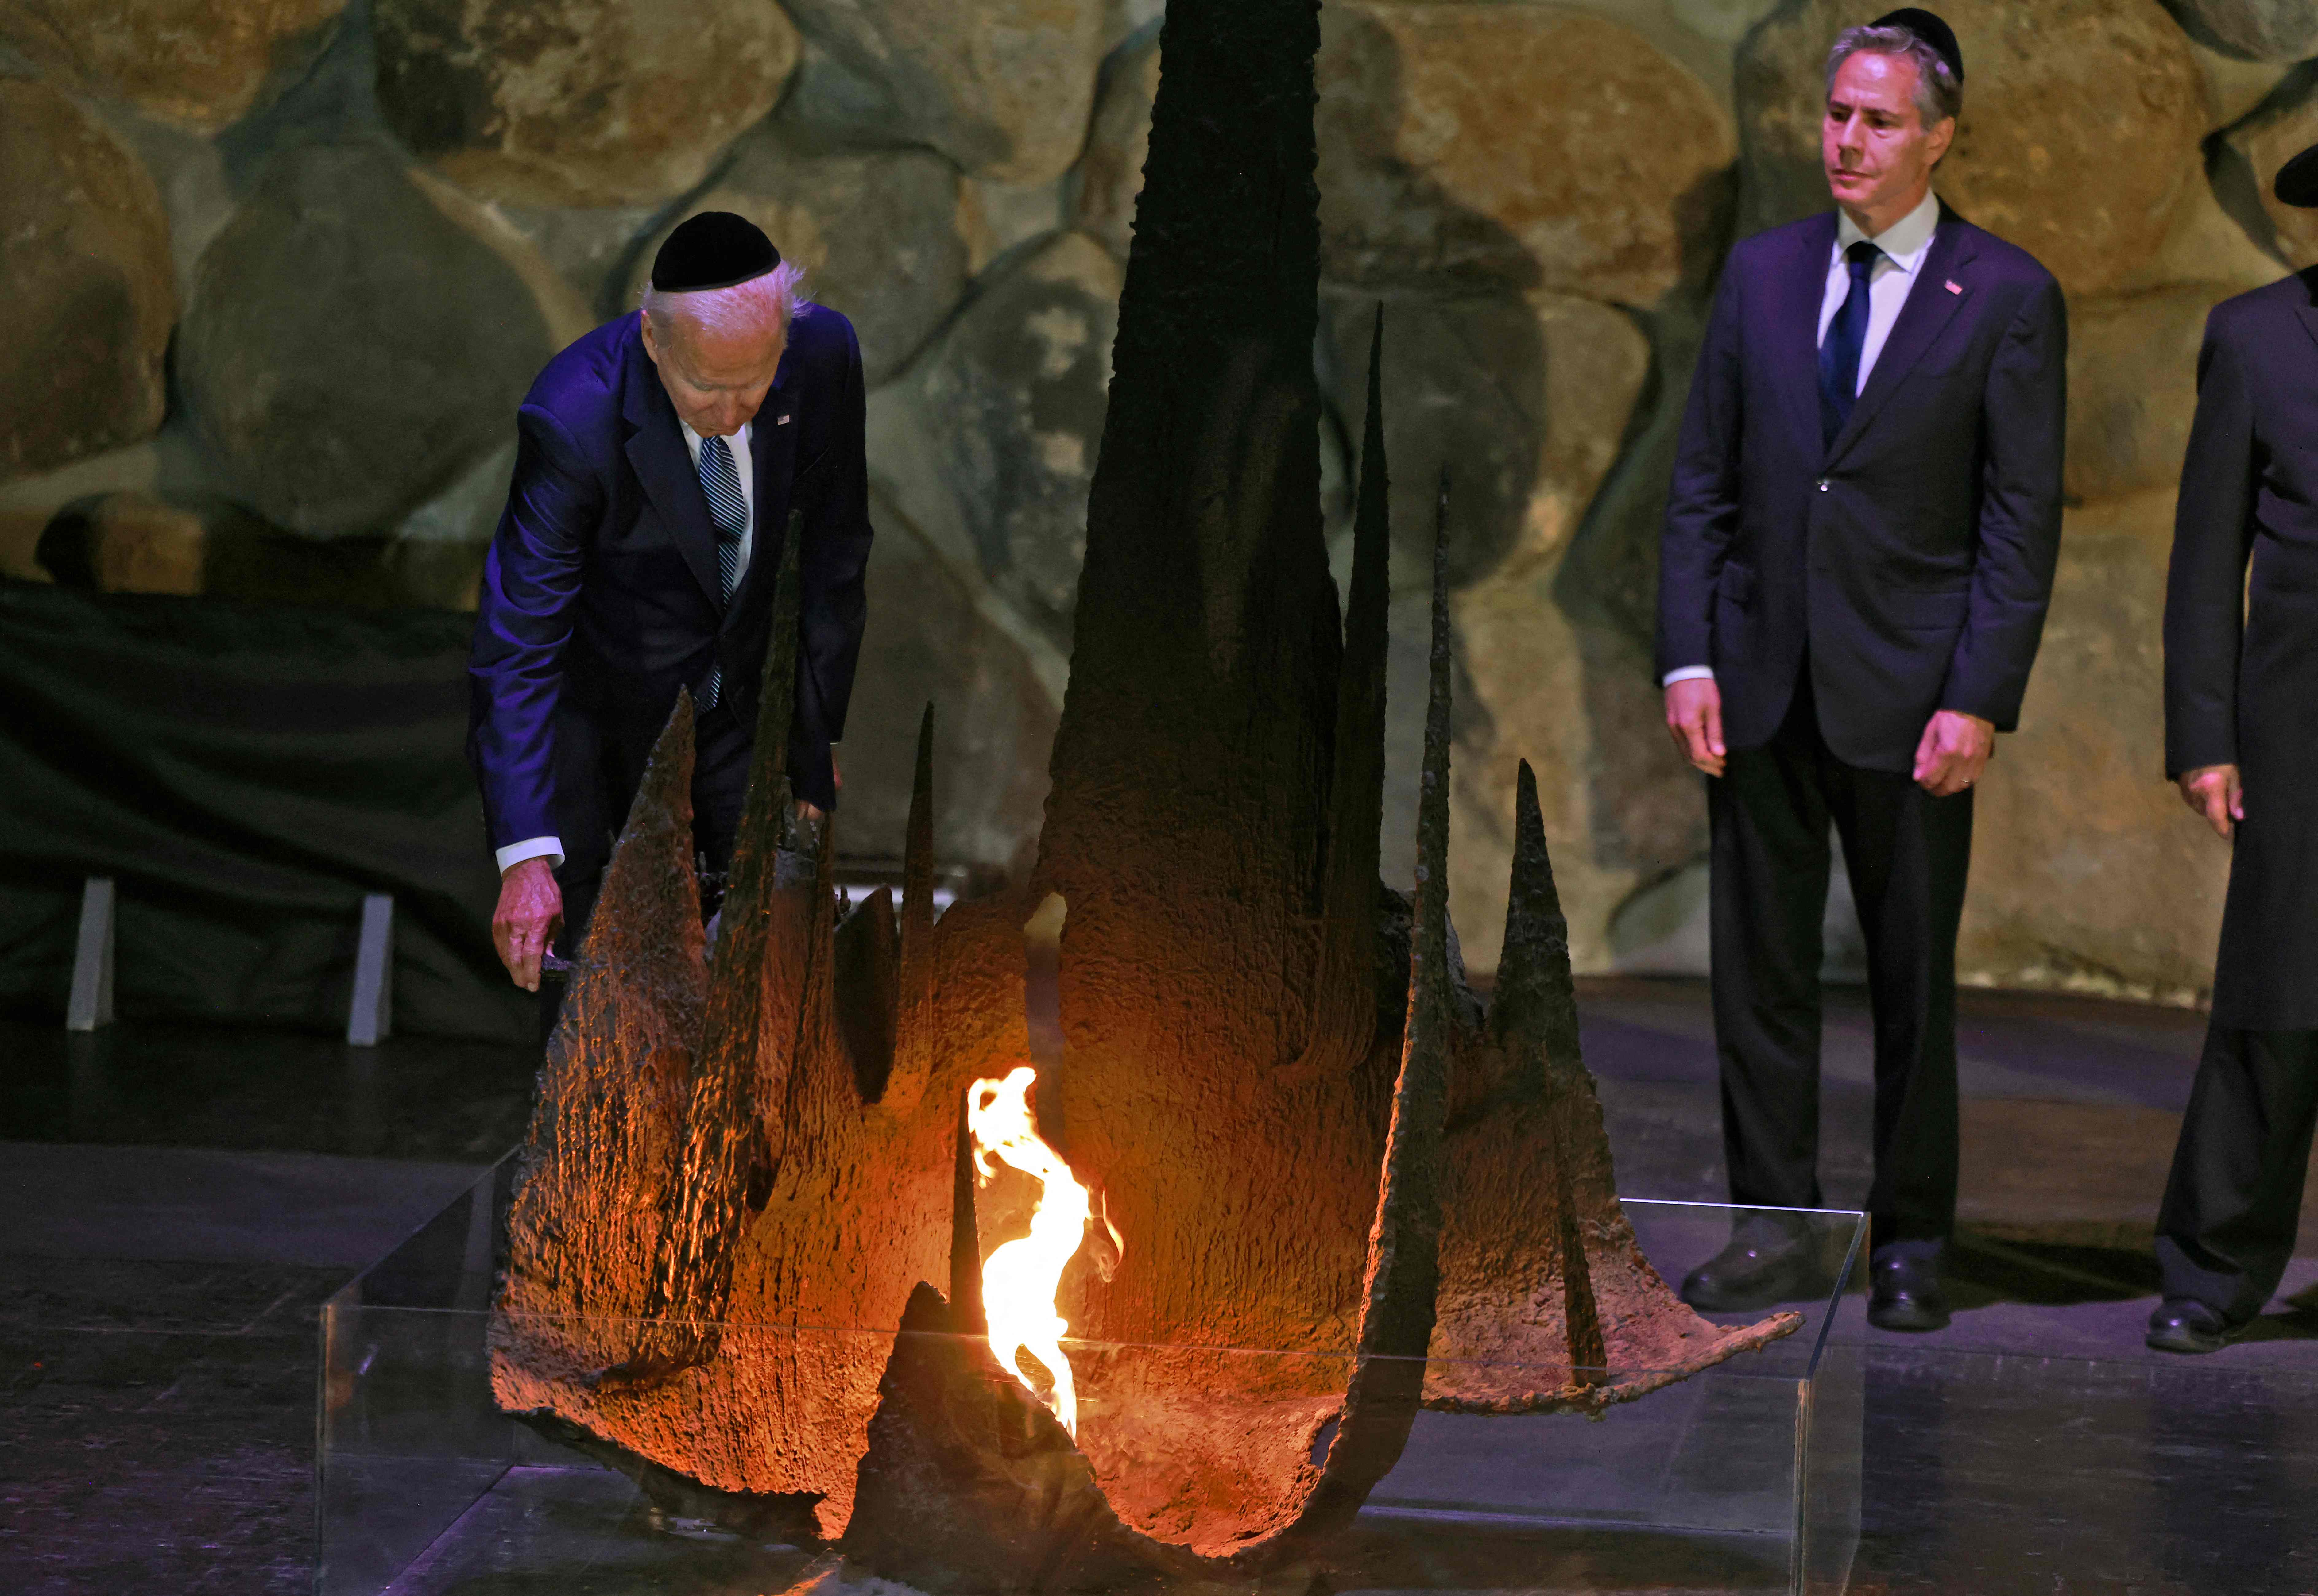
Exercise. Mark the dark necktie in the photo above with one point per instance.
(1839, 351)
(728, 509)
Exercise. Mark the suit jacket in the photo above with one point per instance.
(600, 594)
(2242, 651)
(1915, 553)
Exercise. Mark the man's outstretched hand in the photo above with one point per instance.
(1954, 750)
(2215, 791)
(1694, 713)
(529, 915)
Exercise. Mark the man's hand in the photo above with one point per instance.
(529, 915)
(2215, 791)
(1693, 711)
(1954, 749)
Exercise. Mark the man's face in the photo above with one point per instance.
(1877, 152)
(715, 380)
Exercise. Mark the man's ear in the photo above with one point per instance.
(651, 344)
(1941, 136)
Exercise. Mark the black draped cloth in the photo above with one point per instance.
(245, 775)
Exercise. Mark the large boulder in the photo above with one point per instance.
(2078, 141)
(2087, 873)
(2251, 30)
(1109, 175)
(2133, 390)
(930, 640)
(85, 268)
(350, 350)
(876, 231)
(988, 443)
(1003, 88)
(198, 63)
(1524, 400)
(578, 102)
(1515, 146)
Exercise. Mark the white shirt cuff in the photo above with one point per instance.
(1689, 673)
(550, 848)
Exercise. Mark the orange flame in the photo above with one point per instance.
(1020, 1279)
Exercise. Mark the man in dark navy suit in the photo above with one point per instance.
(658, 460)
(1858, 550)
(2242, 742)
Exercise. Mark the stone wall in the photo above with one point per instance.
(282, 267)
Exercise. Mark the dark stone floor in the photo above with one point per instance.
(175, 1202)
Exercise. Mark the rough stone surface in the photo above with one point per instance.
(2087, 873)
(578, 102)
(349, 351)
(1109, 175)
(2133, 389)
(1524, 400)
(1449, 140)
(199, 63)
(2078, 139)
(989, 442)
(2251, 30)
(879, 232)
(1003, 88)
(84, 263)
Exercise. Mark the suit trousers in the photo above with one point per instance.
(599, 785)
(2226, 1228)
(1907, 854)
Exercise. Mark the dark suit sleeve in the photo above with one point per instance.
(833, 492)
(2205, 589)
(1702, 500)
(2023, 421)
(522, 620)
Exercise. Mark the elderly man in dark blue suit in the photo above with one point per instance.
(1858, 549)
(659, 462)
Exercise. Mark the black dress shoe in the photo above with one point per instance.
(2184, 1324)
(1904, 1293)
(1766, 1263)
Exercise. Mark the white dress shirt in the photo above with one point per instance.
(1904, 244)
(551, 849)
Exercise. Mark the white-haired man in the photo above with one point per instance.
(1858, 550)
(659, 461)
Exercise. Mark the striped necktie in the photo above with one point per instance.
(728, 509)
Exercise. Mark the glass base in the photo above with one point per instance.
(1745, 1477)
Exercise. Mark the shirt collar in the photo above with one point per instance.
(1905, 240)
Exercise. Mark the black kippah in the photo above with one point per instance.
(2298, 180)
(715, 249)
(1931, 29)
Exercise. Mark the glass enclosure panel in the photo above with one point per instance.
(1743, 1477)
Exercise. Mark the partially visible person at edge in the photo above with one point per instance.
(1858, 550)
(2242, 742)
(657, 462)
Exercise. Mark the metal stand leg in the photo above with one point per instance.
(371, 1016)
(91, 1003)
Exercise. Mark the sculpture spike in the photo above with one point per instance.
(913, 1016)
(1534, 1017)
(617, 1078)
(1397, 1313)
(756, 990)
(1535, 997)
(1345, 1004)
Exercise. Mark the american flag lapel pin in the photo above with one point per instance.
(1953, 286)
